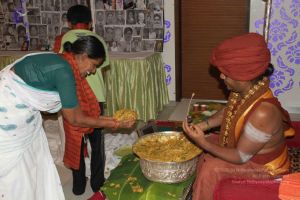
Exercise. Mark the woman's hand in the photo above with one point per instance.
(195, 133)
(126, 124)
(105, 117)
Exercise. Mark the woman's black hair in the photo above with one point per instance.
(269, 71)
(86, 44)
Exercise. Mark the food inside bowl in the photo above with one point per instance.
(125, 114)
(166, 148)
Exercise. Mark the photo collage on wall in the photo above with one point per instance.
(130, 25)
(35, 23)
(12, 29)
(126, 25)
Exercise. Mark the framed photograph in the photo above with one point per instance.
(109, 34)
(136, 44)
(33, 30)
(110, 17)
(34, 44)
(130, 17)
(120, 17)
(43, 30)
(140, 17)
(118, 33)
(148, 45)
(99, 4)
(100, 17)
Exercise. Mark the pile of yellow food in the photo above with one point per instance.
(125, 115)
(166, 148)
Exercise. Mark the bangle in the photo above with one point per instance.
(207, 125)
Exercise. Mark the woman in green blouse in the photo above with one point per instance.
(45, 82)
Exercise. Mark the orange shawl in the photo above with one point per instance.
(90, 107)
(57, 43)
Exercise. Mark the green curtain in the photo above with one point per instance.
(5, 60)
(137, 84)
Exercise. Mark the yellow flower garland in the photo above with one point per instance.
(232, 103)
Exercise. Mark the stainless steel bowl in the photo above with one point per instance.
(167, 172)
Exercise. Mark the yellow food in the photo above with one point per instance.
(135, 186)
(125, 115)
(166, 148)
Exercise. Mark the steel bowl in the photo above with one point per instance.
(167, 172)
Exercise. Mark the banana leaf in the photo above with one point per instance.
(211, 106)
(127, 182)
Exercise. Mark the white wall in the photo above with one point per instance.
(169, 47)
(284, 44)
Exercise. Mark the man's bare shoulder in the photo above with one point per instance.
(266, 117)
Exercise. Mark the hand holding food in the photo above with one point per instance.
(126, 124)
(125, 117)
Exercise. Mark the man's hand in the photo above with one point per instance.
(195, 133)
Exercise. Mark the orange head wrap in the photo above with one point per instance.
(242, 58)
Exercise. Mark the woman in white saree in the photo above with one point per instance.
(34, 83)
(27, 170)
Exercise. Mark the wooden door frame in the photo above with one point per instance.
(178, 48)
(178, 60)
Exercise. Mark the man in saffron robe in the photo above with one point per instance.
(253, 124)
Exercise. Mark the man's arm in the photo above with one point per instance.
(262, 123)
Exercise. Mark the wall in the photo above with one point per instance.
(284, 43)
(169, 47)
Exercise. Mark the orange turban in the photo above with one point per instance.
(242, 58)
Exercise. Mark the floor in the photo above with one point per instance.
(173, 111)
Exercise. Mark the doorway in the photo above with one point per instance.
(201, 26)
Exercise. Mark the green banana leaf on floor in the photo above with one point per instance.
(127, 182)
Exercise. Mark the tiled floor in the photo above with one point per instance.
(173, 111)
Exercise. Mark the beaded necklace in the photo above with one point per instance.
(234, 105)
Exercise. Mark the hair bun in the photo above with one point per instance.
(68, 46)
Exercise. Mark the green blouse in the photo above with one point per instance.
(49, 72)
